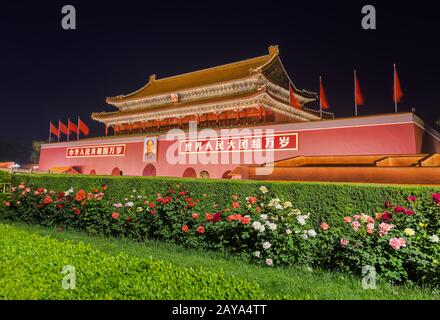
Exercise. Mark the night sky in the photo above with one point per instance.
(48, 73)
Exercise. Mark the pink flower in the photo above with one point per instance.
(436, 198)
(185, 228)
(117, 205)
(411, 198)
(356, 217)
(397, 243)
(194, 215)
(27, 190)
(235, 205)
(8, 203)
(370, 220)
(115, 215)
(370, 228)
(258, 209)
(388, 204)
(347, 219)
(200, 229)
(344, 242)
(355, 225)
(252, 200)
(384, 228)
(21, 186)
(324, 226)
(269, 262)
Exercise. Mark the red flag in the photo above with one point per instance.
(398, 93)
(358, 94)
(82, 127)
(72, 127)
(62, 128)
(323, 100)
(53, 130)
(293, 102)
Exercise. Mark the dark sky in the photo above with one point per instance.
(48, 73)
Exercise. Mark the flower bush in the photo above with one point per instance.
(402, 242)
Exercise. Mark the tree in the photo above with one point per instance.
(35, 153)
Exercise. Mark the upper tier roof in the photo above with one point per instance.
(223, 73)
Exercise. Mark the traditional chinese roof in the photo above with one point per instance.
(231, 86)
(268, 65)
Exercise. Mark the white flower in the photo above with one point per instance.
(272, 226)
(262, 229)
(274, 202)
(301, 220)
(134, 190)
(139, 197)
(288, 231)
(257, 254)
(263, 189)
(269, 262)
(139, 209)
(68, 192)
(278, 207)
(256, 225)
(311, 233)
(266, 245)
(287, 204)
(295, 212)
(129, 204)
(409, 232)
(304, 236)
(434, 238)
(264, 216)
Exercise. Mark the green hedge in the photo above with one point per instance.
(325, 201)
(31, 265)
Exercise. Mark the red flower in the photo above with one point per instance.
(8, 203)
(40, 190)
(386, 216)
(47, 200)
(235, 205)
(191, 204)
(115, 215)
(151, 205)
(129, 219)
(77, 212)
(217, 217)
(188, 200)
(159, 199)
(81, 195)
(252, 200)
(185, 228)
(388, 204)
(153, 212)
(182, 193)
(399, 209)
(324, 226)
(245, 220)
(59, 206)
(411, 198)
(60, 194)
(209, 216)
(234, 217)
(409, 212)
(258, 209)
(104, 187)
(200, 230)
(195, 216)
(21, 186)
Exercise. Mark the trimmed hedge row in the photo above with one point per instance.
(326, 201)
(31, 265)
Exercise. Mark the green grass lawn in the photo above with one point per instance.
(267, 283)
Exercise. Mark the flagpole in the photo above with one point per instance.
(59, 131)
(68, 129)
(355, 94)
(49, 131)
(395, 90)
(77, 130)
(320, 102)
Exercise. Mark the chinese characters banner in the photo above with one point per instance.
(116, 150)
(251, 143)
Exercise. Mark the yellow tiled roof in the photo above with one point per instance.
(227, 72)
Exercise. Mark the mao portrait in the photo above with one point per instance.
(150, 149)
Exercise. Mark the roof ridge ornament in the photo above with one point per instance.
(273, 50)
(152, 78)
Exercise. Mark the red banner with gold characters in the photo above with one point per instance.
(109, 150)
(252, 143)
